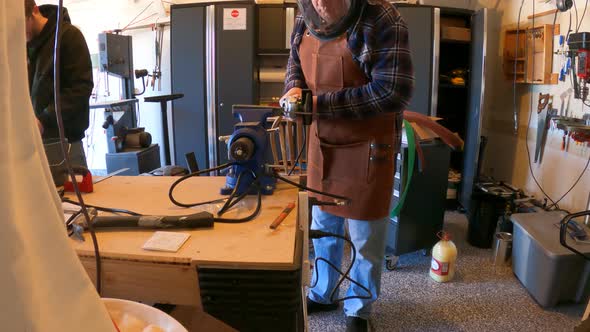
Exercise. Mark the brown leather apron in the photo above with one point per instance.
(349, 157)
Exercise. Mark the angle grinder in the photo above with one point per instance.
(302, 106)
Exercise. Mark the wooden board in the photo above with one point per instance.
(541, 14)
(247, 245)
(146, 282)
(195, 320)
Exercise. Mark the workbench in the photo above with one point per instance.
(215, 265)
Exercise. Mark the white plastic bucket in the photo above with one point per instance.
(145, 313)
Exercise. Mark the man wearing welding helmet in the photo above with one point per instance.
(354, 56)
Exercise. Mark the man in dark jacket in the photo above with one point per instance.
(76, 76)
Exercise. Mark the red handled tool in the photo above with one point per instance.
(282, 216)
(85, 185)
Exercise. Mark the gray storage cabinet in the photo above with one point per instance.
(214, 67)
(434, 56)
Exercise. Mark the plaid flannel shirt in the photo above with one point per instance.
(379, 44)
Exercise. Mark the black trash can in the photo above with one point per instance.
(488, 203)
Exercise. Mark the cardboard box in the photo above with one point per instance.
(423, 133)
(454, 33)
(450, 21)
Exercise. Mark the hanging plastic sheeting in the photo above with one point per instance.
(43, 286)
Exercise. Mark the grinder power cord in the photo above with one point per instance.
(562, 6)
(197, 173)
(316, 234)
(563, 231)
(64, 145)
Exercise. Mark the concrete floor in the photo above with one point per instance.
(481, 297)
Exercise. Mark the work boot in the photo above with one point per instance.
(356, 324)
(313, 306)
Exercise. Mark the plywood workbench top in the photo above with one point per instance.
(250, 245)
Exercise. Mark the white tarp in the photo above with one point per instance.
(43, 286)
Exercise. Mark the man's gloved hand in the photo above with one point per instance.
(289, 101)
(292, 92)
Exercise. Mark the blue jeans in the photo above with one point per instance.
(369, 239)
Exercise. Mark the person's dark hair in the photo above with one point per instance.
(29, 5)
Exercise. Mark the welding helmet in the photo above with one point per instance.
(328, 19)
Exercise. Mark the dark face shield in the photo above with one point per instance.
(328, 19)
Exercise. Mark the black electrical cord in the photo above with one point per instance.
(230, 201)
(514, 109)
(575, 183)
(576, 9)
(72, 217)
(60, 125)
(298, 155)
(526, 143)
(574, 83)
(345, 199)
(242, 195)
(231, 197)
(563, 231)
(343, 276)
(254, 214)
(573, 186)
(554, 204)
(583, 14)
(569, 28)
(177, 182)
(104, 209)
(316, 234)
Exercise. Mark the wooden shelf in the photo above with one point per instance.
(549, 12)
(531, 53)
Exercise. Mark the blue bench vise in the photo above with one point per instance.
(248, 148)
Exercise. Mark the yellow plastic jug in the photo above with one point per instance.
(444, 257)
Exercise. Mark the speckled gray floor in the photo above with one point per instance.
(481, 297)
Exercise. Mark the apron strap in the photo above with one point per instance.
(411, 161)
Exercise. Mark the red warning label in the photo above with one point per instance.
(235, 13)
(440, 268)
